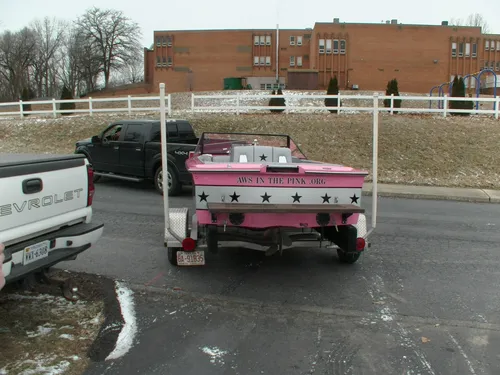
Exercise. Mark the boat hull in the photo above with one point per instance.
(277, 200)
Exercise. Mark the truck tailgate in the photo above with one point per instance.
(42, 193)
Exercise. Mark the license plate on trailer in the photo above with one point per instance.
(36, 252)
(190, 258)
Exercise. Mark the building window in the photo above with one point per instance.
(158, 42)
(292, 40)
(321, 46)
(328, 46)
(299, 60)
(453, 49)
(256, 60)
(486, 45)
(292, 60)
(486, 65)
(335, 46)
(498, 45)
(262, 60)
(268, 60)
(474, 50)
(498, 66)
(467, 49)
(269, 86)
(492, 65)
(164, 60)
(169, 61)
(169, 41)
(268, 40)
(342, 46)
(262, 40)
(262, 86)
(256, 40)
(158, 61)
(299, 40)
(460, 50)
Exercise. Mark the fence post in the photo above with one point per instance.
(392, 104)
(90, 105)
(54, 108)
(129, 105)
(192, 102)
(339, 104)
(21, 108)
(375, 159)
(169, 105)
(237, 103)
(497, 103)
(445, 105)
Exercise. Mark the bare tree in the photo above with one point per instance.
(49, 34)
(115, 36)
(473, 19)
(133, 70)
(16, 57)
(80, 65)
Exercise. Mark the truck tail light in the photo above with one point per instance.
(90, 185)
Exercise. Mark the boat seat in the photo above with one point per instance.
(257, 154)
(241, 154)
(282, 155)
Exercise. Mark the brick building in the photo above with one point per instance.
(363, 56)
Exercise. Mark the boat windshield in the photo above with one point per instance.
(220, 143)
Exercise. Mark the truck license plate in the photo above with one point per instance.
(190, 258)
(35, 252)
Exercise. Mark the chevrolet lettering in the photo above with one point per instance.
(48, 200)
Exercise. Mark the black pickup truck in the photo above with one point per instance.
(131, 150)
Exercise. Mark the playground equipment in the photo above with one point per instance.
(477, 77)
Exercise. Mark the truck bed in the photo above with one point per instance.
(41, 193)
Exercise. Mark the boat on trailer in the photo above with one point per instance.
(259, 191)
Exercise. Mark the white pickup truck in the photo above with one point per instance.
(45, 211)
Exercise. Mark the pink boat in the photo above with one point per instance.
(261, 192)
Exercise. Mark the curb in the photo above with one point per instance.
(435, 193)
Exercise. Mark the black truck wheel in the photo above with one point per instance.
(174, 186)
(349, 258)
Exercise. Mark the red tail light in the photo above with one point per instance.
(360, 244)
(188, 244)
(90, 185)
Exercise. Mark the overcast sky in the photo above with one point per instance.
(232, 14)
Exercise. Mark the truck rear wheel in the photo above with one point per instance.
(174, 187)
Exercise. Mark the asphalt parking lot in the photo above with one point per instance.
(422, 300)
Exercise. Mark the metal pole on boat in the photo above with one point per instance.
(163, 133)
(375, 161)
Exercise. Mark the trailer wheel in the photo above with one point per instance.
(349, 258)
(172, 255)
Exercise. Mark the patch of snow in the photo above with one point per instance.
(215, 353)
(57, 369)
(129, 330)
(66, 336)
(42, 331)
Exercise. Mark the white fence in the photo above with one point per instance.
(241, 103)
(252, 102)
(52, 106)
